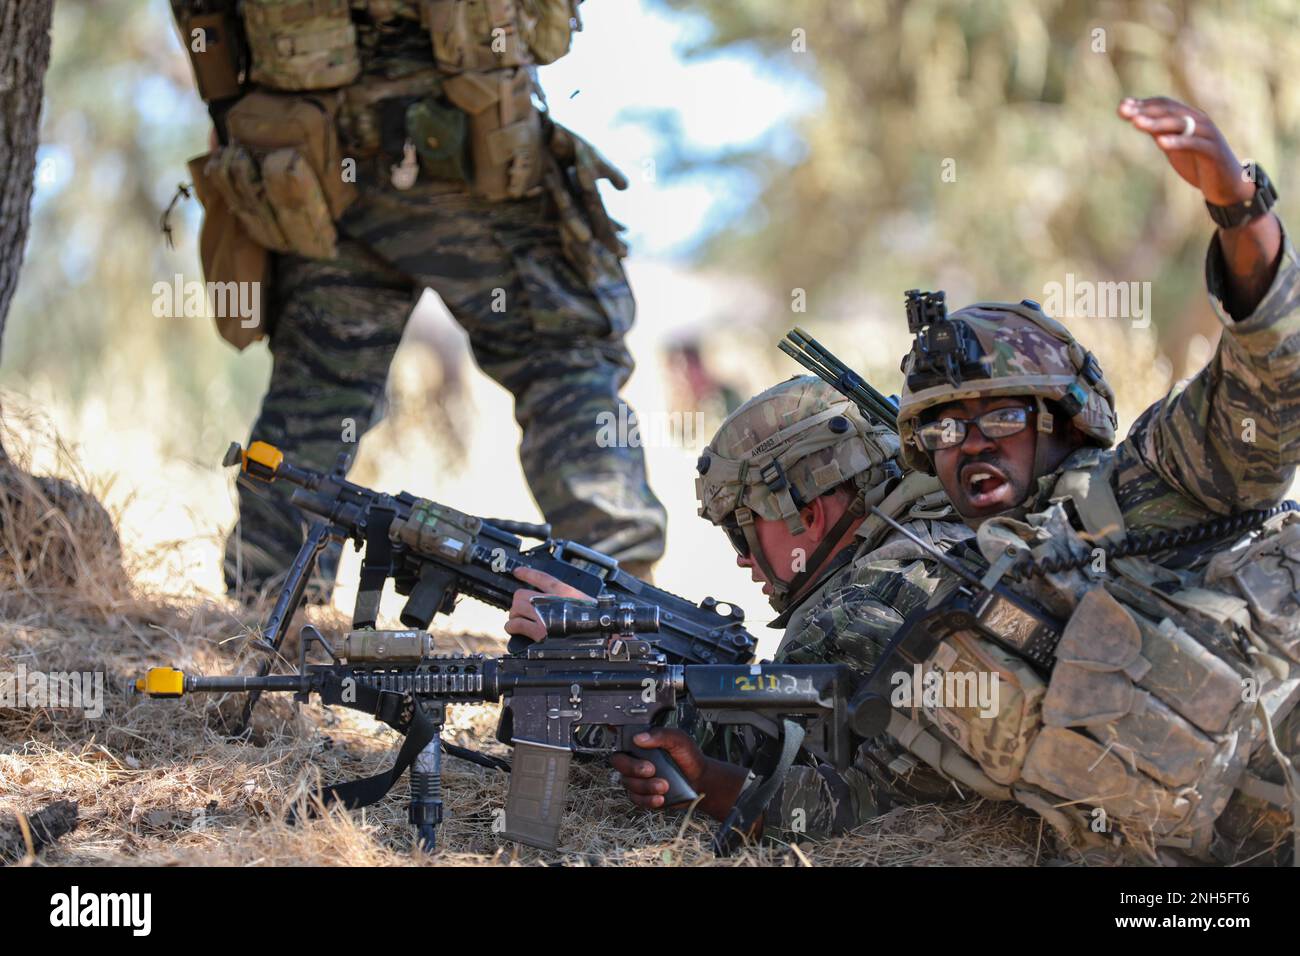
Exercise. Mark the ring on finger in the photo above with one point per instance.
(1189, 125)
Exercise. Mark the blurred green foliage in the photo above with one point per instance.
(1018, 98)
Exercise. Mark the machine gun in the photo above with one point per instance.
(434, 554)
(589, 687)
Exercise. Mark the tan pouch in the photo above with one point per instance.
(1079, 769)
(282, 172)
(1092, 686)
(505, 132)
(267, 121)
(212, 41)
(301, 44)
(1110, 741)
(237, 176)
(999, 741)
(475, 35)
(230, 259)
(547, 27)
(295, 194)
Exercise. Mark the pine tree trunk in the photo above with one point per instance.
(24, 58)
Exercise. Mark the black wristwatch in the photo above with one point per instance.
(1243, 212)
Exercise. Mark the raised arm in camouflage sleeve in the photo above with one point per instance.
(1227, 438)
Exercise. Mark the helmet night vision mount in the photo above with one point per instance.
(945, 350)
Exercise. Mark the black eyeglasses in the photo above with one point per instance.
(736, 535)
(948, 432)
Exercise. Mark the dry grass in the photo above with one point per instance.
(161, 782)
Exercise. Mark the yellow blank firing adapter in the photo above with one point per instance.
(162, 682)
(262, 460)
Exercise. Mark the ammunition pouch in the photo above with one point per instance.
(230, 257)
(281, 172)
(483, 35)
(301, 44)
(1142, 721)
(998, 741)
(505, 131)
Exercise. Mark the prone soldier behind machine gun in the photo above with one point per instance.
(1161, 723)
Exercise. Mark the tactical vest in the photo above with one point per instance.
(1167, 692)
(481, 51)
(466, 108)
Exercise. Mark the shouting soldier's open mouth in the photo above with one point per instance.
(986, 486)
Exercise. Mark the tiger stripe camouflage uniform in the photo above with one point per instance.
(848, 619)
(549, 331)
(1184, 462)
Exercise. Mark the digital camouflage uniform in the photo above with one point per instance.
(858, 597)
(1184, 462)
(546, 310)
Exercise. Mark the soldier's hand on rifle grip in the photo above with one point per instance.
(524, 621)
(679, 789)
(640, 778)
(718, 783)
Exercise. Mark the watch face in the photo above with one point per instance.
(1263, 185)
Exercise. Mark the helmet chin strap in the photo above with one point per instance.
(1046, 425)
(783, 592)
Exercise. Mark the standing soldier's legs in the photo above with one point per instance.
(555, 342)
(336, 326)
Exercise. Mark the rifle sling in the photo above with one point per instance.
(773, 766)
(364, 792)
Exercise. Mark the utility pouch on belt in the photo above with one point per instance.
(281, 172)
(301, 44)
(505, 132)
(235, 264)
(215, 47)
(441, 137)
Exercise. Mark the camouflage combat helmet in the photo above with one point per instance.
(782, 449)
(994, 349)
